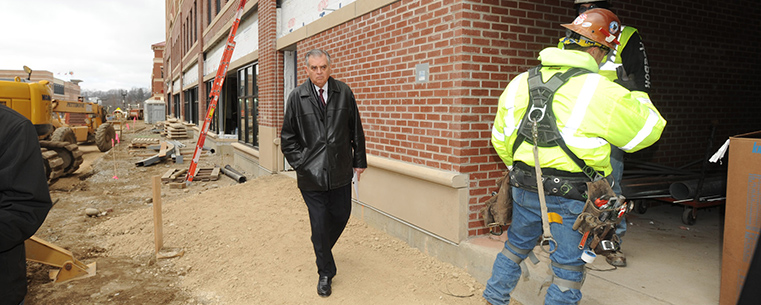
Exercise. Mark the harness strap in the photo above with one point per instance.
(563, 284)
(520, 261)
(579, 268)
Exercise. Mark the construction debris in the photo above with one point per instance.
(144, 142)
(174, 175)
(202, 174)
(177, 185)
(206, 174)
(165, 150)
(232, 173)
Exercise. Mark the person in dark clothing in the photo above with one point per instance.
(323, 140)
(24, 200)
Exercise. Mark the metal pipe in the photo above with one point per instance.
(650, 187)
(232, 173)
(691, 188)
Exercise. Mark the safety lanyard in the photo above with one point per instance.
(547, 239)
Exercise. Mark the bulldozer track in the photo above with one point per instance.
(69, 153)
(53, 164)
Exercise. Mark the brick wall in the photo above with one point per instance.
(270, 68)
(473, 48)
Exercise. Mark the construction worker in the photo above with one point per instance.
(581, 115)
(627, 65)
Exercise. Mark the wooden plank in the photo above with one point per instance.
(177, 185)
(167, 175)
(206, 174)
(162, 151)
(179, 174)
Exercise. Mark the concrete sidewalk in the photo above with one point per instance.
(668, 262)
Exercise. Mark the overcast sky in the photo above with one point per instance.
(104, 43)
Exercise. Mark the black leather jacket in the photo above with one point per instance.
(24, 200)
(323, 146)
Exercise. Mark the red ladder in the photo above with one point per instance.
(219, 79)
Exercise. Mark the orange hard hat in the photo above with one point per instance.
(599, 25)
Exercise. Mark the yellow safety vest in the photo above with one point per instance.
(592, 113)
(608, 68)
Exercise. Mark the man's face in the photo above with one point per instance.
(586, 6)
(318, 69)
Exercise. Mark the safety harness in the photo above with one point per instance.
(539, 123)
(539, 128)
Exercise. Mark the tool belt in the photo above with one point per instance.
(596, 223)
(556, 182)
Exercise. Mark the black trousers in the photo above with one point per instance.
(328, 214)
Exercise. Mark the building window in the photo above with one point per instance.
(58, 89)
(248, 101)
(177, 105)
(191, 105)
(216, 11)
(193, 17)
(208, 12)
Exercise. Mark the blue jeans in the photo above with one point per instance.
(617, 162)
(524, 232)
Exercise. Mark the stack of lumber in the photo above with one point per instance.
(175, 131)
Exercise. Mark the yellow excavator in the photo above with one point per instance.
(61, 157)
(58, 138)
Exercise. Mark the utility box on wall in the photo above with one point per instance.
(742, 220)
(154, 111)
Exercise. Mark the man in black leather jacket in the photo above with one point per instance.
(323, 140)
(24, 200)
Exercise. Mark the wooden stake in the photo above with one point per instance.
(113, 153)
(157, 221)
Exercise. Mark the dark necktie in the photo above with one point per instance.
(322, 100)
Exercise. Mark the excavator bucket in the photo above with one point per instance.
(40, 251)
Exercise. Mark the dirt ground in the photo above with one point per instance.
(244, 243)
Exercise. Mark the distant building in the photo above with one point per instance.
(62, 89)
(157, 73)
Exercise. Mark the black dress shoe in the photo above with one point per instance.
(323, 286)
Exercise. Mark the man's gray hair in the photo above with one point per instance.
(316, 53)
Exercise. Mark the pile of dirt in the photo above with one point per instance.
(239, 243)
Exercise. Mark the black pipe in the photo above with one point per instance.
(692, 188)
(650, 187)
(232, 173)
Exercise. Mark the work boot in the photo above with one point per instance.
(616, 258)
